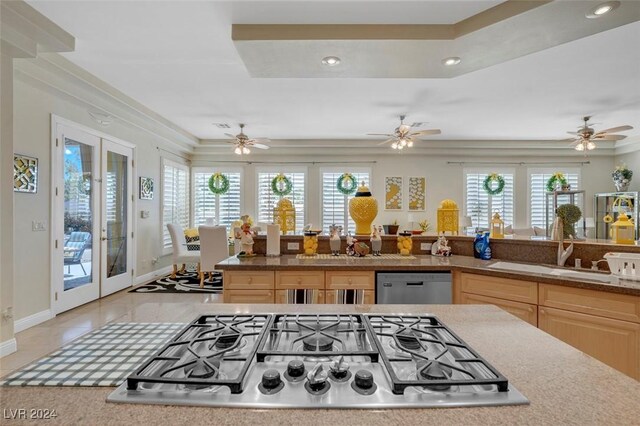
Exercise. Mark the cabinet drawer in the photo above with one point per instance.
(300, 296)
(350, 297)
(614, 342)
(601, 303)
(249, 296)
(344, 280)
(248, 280)
(300, 279)
(524, 311)
(502, 288)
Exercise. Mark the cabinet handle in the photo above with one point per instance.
(350, 281)
(249, 280)
(299, 280)
(531, 309)
(542, 311)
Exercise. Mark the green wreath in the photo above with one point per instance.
(218, 183)
(351, 188)
(276, 185)
(553, 180)
(488, 184)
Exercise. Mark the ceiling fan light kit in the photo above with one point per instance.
(402, 136)
(242, 142)
(586, 136)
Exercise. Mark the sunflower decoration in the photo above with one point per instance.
(490, 180)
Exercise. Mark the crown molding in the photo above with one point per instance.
(627, 146)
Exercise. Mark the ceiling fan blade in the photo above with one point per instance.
(379, 134)
(426, 132)
(404, 128)
(387, 141)
(260, 140)
(230, 135)
(259, 145)
(575, 143)
(575, 133)
(609, 137)
(615, 129)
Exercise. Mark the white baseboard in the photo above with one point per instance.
(8, 347)
(143, 279)
(32, 320)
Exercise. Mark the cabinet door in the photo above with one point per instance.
(524, 311)
(300, 296)
(249, 296)
(502, 288)
(349, 280)
(614, 342)
(350, 297)
(299, 280)
(248, 280)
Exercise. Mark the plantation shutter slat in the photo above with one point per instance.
(175, 198)
(267, 200)
(335, 206)
(481, 206)
(538, 182)
(223, 208)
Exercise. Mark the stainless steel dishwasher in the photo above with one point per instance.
(413, 287)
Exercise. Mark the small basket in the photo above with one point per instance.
(624, 265)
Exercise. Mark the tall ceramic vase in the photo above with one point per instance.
(363, 209)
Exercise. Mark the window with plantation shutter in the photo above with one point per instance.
(175, 198)
(481, 206)
(335, 205)
(224, 209)
(538, 188)
(267, 200)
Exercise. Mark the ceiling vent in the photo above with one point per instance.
(222, 125)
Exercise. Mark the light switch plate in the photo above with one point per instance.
(293, 246)
(425, 246)
(144, 214)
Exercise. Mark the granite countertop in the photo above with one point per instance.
(421, 263)
(563, 385)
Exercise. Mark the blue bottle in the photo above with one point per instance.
(481, 247)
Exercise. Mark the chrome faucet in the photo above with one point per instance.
(594, 264)
(563, 254)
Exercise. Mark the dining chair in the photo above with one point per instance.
(214, 248)
(180, 252)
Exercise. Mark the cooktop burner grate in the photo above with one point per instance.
(317, 335)
(213, 350)
(420, 351)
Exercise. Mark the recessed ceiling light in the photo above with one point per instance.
(330, 61)
(602, 9)
(454, 60)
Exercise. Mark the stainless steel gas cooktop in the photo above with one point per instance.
(317, 361)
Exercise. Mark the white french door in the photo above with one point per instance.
(91, 218)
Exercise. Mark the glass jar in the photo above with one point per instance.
(405, 243)
(310, 243)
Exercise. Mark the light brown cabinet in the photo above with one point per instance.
(341, 280)
(602, 324)
(248, 287)
(614, 342)
(248, 296)
(299, 280)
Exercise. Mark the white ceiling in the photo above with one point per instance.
(177, 58)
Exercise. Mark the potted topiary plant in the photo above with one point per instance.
(570, 214)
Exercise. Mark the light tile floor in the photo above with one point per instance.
(38, 341)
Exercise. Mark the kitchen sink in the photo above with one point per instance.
(538, 269)
(521, 267)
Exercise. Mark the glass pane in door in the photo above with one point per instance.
(116, 214)
(78, 214)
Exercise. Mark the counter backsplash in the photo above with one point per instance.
(520, 250)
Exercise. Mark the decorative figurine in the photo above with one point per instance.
(376, 241)
(246, 239)
(361, 249)
(351, 242)
(334, 239)
(441, 247)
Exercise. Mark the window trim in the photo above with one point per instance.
(212, 170)
(164, 162)
(336, 169)
(547, 170)
(282, 169)
(500, 171)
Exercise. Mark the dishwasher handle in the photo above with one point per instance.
(415, 283)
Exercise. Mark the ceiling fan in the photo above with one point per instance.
(586, 136)
(243, 143)
(403, 136)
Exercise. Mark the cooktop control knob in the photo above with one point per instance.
(271, 382)
(339, 370)
(317, 383)
(363, 383)
(295, 371)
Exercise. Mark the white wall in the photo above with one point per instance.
(443, 180)
(34, 102)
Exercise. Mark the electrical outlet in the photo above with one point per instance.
(154, 260)
(425, 246)
(144, 214)
(37, 225)
(293, 246)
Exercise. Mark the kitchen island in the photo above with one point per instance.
(563, 385)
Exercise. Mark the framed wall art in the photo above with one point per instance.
(146, 188)
(25, 174)
(417, 193)
(393, 193)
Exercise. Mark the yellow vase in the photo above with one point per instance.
(363, 209)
